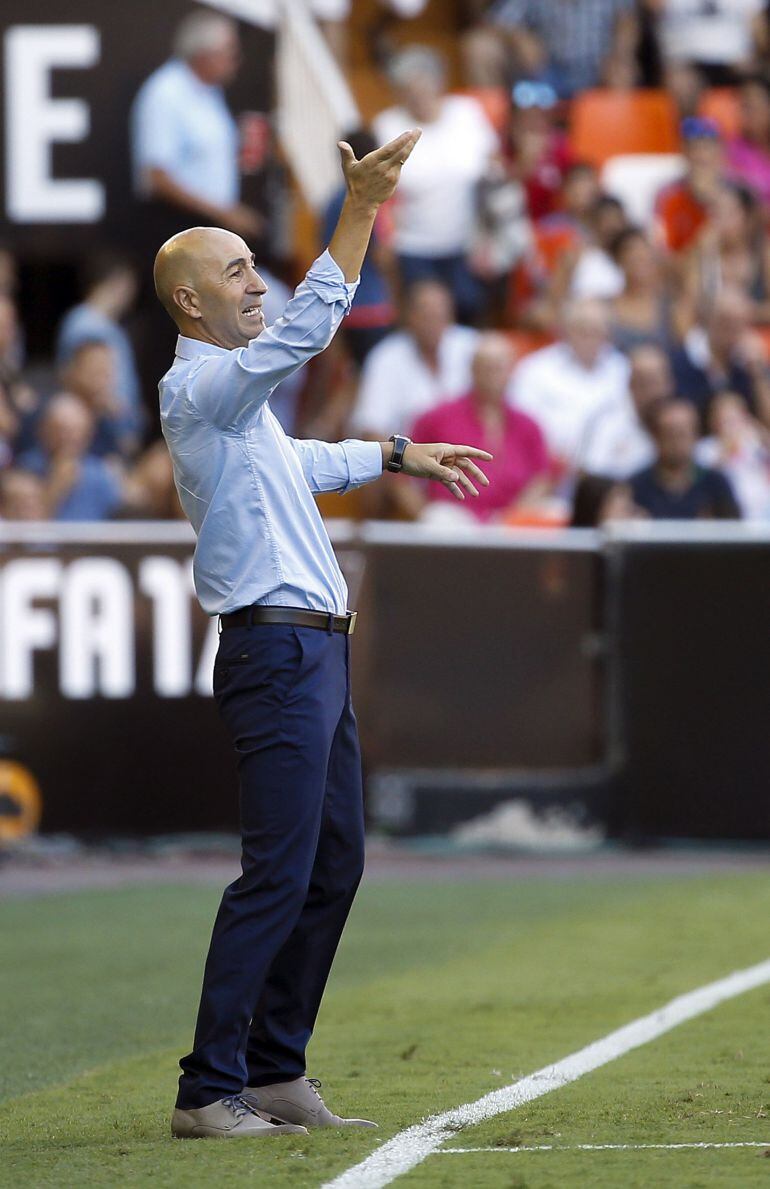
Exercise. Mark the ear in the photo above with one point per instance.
(186, 300)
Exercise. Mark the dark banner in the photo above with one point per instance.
(70, 73)
(480, 657)
(691, 649)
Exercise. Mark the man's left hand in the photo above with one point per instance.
(451, 465)
(372, 180)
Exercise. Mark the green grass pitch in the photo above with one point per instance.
(442, 992)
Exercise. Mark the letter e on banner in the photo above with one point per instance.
(34, 120)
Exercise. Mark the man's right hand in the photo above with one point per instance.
(372, 180)
(451, 465)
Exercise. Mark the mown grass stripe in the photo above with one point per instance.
(411, 1146)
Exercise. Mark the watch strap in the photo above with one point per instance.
(400, 443)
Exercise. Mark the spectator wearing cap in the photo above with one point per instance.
(520, 461)
(110, 292)
(184, 138)
(373, 313)
(676, 486)
(724, 354)
(572, 46)
(562, 386)
(681, 206)
(417, 367)
(618, 440)
(537, 151)
(731, 251)
(78, 485)
(435, 208)
(719, 37)
(748, 154)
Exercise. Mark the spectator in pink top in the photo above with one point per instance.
(483, 415)
(748, 154)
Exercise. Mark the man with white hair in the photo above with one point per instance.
(184, 138)
(562, 386)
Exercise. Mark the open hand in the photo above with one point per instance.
(451, 465)
(373, 179)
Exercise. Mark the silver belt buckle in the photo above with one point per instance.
(352, 617)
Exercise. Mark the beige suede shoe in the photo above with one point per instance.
(229, 1118)
(298, 1101)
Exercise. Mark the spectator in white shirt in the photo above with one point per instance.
(435, 208)
(618, 439)
(415, 369)
(562, 386)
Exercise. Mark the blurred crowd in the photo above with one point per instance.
(600, 325)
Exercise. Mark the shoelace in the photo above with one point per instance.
(315, 1085)
(239, 1106)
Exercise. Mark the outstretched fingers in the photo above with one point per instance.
(470, 452)
(399, 148)
(467, 465)
(465, 482)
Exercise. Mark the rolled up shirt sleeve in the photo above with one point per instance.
(338, 466)
(228, 389)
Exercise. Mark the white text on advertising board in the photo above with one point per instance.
(86, 611)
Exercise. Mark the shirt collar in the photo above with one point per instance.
(187, 348)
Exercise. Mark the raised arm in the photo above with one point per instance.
(370, 182)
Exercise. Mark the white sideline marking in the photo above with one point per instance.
(604, 1147)
(410, 1147)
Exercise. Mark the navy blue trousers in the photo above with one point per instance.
(284, 695)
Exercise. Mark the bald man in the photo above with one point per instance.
(264, 564)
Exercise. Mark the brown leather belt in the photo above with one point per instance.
(297, 616)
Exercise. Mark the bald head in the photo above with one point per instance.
(206, 281)
(585, 328)
(184, 258)
(492, 366)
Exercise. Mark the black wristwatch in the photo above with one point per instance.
(400, 443)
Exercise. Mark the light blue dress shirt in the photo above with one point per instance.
(184, 126)
(246, 486)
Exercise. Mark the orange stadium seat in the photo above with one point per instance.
(604, 123)
(524, 342)
(349, 506)
(721, 104)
